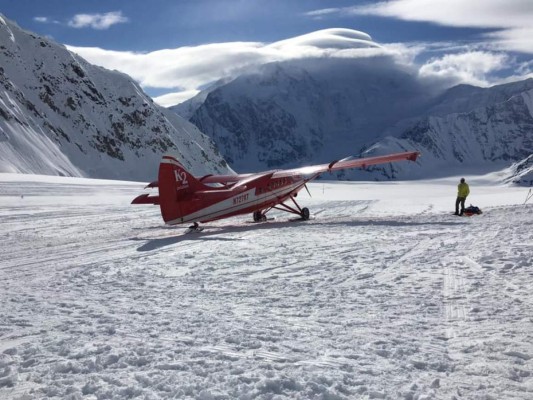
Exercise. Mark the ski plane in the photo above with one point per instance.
(184, 198)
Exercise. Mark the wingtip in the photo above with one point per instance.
(414, 156)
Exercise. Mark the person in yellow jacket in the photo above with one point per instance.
(462, 193)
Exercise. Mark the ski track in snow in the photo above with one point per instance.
(100, 300)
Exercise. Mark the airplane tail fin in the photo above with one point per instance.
(176, 184)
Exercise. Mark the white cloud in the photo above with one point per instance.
(184, 67)
(322, 12)
(97, 21)
(189, 68)
(183, 71)
(45, 20)
(519, 39)
(470, 67)
(171, 99)
(472, 13)
(511, 19)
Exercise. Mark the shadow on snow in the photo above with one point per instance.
(215, 233)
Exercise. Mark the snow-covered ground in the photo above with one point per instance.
(384, 294)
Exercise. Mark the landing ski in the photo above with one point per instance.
(268, 219)
(193, 229)
(301, 219)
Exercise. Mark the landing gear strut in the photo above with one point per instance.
(303, 213)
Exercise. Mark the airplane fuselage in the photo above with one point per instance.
(216, 204)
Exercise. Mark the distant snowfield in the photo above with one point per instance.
(383, 295)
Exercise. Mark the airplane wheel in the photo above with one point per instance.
(258, 216)
(305, 213)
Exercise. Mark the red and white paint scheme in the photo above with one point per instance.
(184, 198)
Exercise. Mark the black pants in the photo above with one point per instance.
(460, 200)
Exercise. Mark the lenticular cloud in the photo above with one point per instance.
(335, 38)
(188, 68)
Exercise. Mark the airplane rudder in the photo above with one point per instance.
(171, 187)
(184, 181)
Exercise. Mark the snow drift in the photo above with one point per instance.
(384, 295)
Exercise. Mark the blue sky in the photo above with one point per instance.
(480, 42)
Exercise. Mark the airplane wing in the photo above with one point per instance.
(221, 179)
(314, 171)
(224, 179)
(240, 181)
(242, 184)
(253, 178)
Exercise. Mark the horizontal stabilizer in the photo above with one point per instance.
(145, 199)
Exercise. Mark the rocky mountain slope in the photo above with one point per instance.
(60, 115)
(521, 173)
(493, 132)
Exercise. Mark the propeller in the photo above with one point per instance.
(306, 188)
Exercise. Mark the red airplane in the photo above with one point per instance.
(184, 198)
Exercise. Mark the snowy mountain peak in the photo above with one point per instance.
(493, 132)
(320, 109)
(306, 111)
(60, 115)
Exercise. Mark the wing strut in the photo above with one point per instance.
(302, 212)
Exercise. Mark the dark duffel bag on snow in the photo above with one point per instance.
(472, 210)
